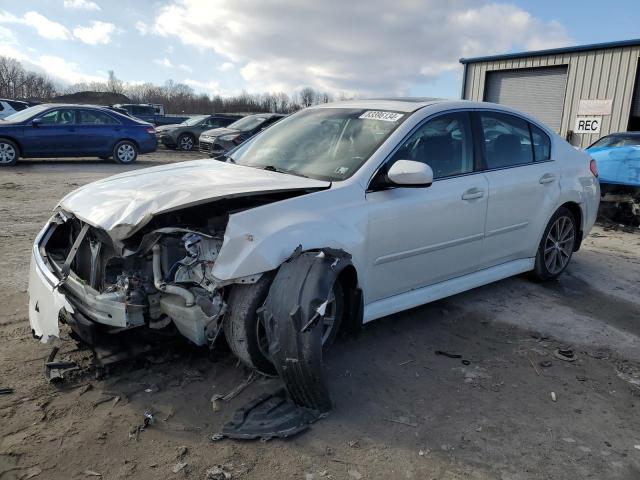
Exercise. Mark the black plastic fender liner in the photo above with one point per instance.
(292, 317)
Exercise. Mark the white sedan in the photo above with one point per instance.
(337, 215)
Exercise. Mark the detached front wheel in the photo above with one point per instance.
(246, 334)
(557, 245)
(125, 152)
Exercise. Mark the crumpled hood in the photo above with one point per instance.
(122, 204)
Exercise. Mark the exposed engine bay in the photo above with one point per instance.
(161, 276)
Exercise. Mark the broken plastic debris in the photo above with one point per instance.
(148, 419)
(554, 398)
(217, 473)
(564, 354)
(178, 466)
(91, 473)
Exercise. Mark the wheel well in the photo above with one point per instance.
(575, 209)
(128, 140)
(14, 141)
(353, 300)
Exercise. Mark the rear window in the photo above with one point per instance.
(541, 144)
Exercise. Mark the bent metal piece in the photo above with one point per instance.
(291, 315)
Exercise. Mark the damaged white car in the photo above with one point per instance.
(337, 215)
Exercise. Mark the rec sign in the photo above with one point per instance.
(588, 125)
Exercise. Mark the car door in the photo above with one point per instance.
(524, 185)
(422, 236)
(52, 134)
(96, 132)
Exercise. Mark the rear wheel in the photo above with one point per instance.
(186, 142)
(8, 153)
(125, 152)
(557, 245)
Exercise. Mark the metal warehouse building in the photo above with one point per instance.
(583, 92)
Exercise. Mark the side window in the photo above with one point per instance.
(444, 143)
(59, 117)
(506, 140)
(1, 106)
(541, 144)
(91, 117)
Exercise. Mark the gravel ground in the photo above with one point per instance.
(401, 411)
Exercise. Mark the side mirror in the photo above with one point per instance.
(36, 122)
(409, 173)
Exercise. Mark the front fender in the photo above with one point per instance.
(261, 239)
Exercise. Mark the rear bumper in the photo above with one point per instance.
(148, 145)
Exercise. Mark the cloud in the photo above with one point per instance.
(372, 47)
(81, 5)
(143, 28)
(45, 27)
(226, 67)
(67, 72)
(211, 87)
(163, 62)
(97, 33)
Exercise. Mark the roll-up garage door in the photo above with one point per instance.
(536, 91)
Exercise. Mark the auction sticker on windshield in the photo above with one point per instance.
(380, 115)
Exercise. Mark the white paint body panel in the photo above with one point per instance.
(409, 245)
(124, 203)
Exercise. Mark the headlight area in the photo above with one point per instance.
(163, 282)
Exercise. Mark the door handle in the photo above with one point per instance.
(472, 194)
(547, 178)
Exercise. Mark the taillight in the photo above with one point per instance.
(151, 130)
(593, 166)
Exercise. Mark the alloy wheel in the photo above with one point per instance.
(186, 143)
(7, 153)
(559, 244)
(126, 153)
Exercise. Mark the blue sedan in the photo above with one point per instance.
(54, 130)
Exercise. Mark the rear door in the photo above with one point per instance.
(524, 185)
(54, 135)
(96, 132)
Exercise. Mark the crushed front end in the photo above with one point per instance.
(159, 279)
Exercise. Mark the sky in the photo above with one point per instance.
(352, 48)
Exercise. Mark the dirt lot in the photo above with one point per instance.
(401, 410)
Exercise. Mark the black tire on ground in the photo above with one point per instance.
(241, 324)
(186, 142)
(9, 153)
(556, 246)
(125, 152)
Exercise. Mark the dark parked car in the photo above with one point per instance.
(152, 113)
(185, 135)
(55, 130)
(220, 140)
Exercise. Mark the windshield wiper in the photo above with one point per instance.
(273, 168)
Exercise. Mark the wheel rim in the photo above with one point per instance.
(328, 324)
(559, 244)
(7, 153)
(126, 153)
(186, 143)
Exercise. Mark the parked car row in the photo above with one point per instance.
(64, 130)
(58, 130)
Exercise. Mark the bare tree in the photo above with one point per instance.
(16, 82)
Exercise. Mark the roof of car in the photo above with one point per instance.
(624, 134)
(400, 104)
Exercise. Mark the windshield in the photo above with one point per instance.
(323, 143)
(247, 123)
(190, 122)
(26, 113)
(616, 141)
